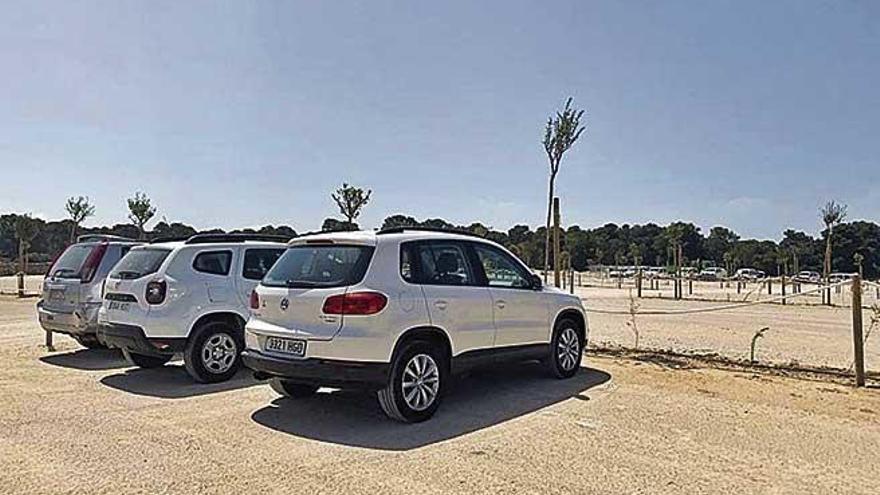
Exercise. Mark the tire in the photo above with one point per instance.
(89, 341)
(291, 389)
(425, 395)
(213, 352)
(144, 360)
(566, 349)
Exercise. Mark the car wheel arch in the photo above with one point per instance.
(428, 333)
(578, 317)
(228, 317)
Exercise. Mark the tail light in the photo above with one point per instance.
(156, 291)
(90, 267)
(355, 303)
(255, 300)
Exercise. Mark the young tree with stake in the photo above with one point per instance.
(79, 208)
(561, 132)
(141, 211)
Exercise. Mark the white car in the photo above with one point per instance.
(807, 276)
(712, 273)
(400, 311)
(749, 274)
(186, 296)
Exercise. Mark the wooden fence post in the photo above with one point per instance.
(858, 339)
(639, 282)
(783, 290)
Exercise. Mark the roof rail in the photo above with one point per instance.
(414, 228)
(103, 237)
(241, 237)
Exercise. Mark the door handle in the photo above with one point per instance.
(501, 304)
(440, 304)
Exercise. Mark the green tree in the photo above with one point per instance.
(141, 211)
(78, 208)
(26, 228)
(560, 133)
(351, 200)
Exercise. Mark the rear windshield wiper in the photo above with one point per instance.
(304, 283)
(128, 274)
(60, 271)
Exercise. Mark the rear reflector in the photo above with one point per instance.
(255, 300)
(355, 303)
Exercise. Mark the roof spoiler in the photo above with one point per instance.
(212, 238)
(400, 230)
(103, 237)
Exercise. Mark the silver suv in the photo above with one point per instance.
(72, 288)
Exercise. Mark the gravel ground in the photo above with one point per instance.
(80, 421)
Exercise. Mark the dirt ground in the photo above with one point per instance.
(82, 421)
(804, 334)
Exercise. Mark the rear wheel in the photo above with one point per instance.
(415, 383)
(145, 360)
(212, 353)
(566, 349)
(291, 389)
(90, 341)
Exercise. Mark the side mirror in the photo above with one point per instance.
(536, 282)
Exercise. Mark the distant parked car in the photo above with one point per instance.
(72, 287)
(840, 277)
(749, 274)
(616, 273)
(712, 273)
(808, 277)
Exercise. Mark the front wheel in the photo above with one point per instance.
(566, 349)
(415, 383)
(212, 353)
(145, 360)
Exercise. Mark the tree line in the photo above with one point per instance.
(853, 243)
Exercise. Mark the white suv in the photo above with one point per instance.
(400, 311)
(186, 296)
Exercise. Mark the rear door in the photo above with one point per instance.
(212, 268)
(520, 313)
(455, 298)
(293, 293)
(62, 283)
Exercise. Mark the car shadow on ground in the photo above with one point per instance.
(172, 382)
(482, 400)
(88, 359)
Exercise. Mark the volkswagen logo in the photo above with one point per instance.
(284, 304)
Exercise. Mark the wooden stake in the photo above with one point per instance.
(858, 339)
(556, 278)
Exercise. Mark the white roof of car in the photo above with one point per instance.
(371, 238)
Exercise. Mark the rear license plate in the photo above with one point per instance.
(118, 306)
(293, 347)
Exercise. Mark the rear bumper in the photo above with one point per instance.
(132, 338)
(317, 371)
(82, 321)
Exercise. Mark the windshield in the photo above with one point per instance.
(138, 263)
(70, 263)
(320, 266)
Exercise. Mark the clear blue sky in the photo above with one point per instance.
(747, 114)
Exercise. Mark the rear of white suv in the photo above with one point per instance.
(399, 312)
(186, 297)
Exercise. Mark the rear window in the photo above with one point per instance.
(70, 263)
(138, 263)
(320, 266)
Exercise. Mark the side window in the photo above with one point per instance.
(257, 262)
(443, 263)
(500, 269)
(213, 262)
(407, 262)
